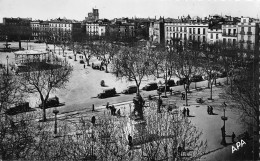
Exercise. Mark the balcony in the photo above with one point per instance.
(229, 35)
(249, 41)
(242, 32)
(249, 33)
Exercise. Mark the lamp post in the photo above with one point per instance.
(7, 57)
(55, 123)
(223, 129)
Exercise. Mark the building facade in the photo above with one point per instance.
(248, 34)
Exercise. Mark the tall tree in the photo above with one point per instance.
(45, 78)
(132, 63)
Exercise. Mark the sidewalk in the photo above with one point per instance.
(209, 124)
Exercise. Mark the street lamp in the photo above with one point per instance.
(55, 123)
(7, 57)
(223, 129)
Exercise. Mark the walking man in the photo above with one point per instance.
(184, 112)
(211, 110)
(188, 112)
(233, 137)
(84, 66)
(93, 120)
(208, 110)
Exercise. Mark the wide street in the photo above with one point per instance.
(84, 85)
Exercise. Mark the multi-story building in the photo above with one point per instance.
(35, 25)
(229, 34)
(92, 28)
(64, 29)
(248, 33)
(17, 28)
(44, 33)
(156, 31)
(189, 30)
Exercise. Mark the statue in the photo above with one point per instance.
(138, 106)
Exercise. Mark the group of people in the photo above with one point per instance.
(113, 110)
(186, 112)
(210, 110)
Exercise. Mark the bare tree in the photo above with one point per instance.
(45, 78)
(132, 63)
(185, 64)
(167, 136)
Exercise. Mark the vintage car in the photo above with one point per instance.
(130, 90)
(182, 81)
(196, 78)
(51, 102)
(150, 87)
(161, 88)
(107, 93)
(19, 108)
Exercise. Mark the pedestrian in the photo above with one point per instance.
(84, 66)
(107, 106)
(179, 150)
(171, 91)
(184, 112)
(211, 110)
(93, 107)
(118, 112)
(93, 120)
(233, 137)
(188, 112)
(208, 110)
(130, 140)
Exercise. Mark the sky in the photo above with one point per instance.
(78, 9)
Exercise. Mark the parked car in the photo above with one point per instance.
(222, 74)
(196, 78)
(171, 83)
(21, 107)
(182, 81)
(107, 93)
(81, 62)
(161, 88)
(130, 90)
(150, 87)
(51, 102)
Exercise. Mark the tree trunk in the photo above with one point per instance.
(186, 94)
(43, 111)
(20, 45)
(106, 68)
(211, 90)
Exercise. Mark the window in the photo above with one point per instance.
(166, 28)
(234, 42)
(249, 29)
(180, 29)
(204, 31)
(190, 37)
(194, 38)
(242, 37)
(234, 31)
(211, 35)
(198, 30)
(181, 36)
(229, 41)
(185, 36)
(224, 41)
(198, 38)
(173, 35)
(193, 30)
(190, 30)
(242, 29)
(216, 36)
(204, 39)
(224, 31)
(249, 38)
(229, 31)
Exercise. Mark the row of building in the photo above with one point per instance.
(65, 29)
(228, 30)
